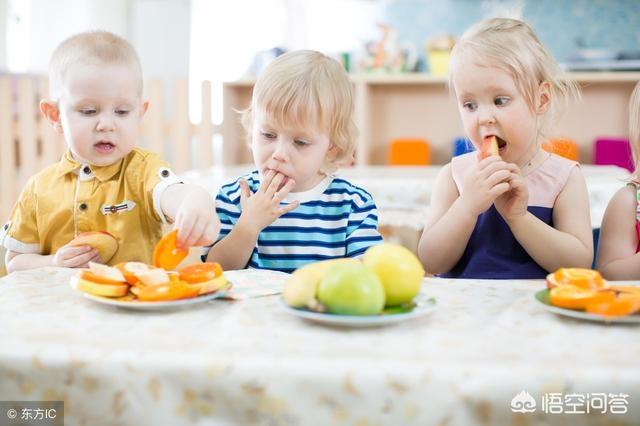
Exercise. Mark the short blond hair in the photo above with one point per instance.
(512, 45)
(92, 48)
(307, 89)
(634, 128)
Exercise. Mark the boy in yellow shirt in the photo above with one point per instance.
(103, 182)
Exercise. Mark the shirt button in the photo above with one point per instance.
(113, 209)
(82, 206)
(87, 170)
(165, 173)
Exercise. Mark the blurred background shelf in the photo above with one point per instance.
(420, 105)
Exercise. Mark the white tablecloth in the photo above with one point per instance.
(403, 194)
(251, 362)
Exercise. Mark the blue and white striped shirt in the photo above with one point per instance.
(335, 219)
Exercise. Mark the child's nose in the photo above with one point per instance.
(486, 115)
(281, 151)
(105, 123)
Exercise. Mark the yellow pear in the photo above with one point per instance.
(399, 270)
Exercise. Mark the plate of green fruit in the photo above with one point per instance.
(389, 315)
(382, 288)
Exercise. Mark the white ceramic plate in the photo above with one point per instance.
(151, 306)
(542, 297)
(424, 306)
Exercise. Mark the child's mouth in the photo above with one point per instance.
(104, 147)
(502, 145)
(284, 182)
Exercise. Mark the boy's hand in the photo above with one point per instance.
(485, 183)
(261, 209)
(513, 203)
(76, 256)
(196, 220)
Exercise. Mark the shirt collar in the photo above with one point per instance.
(68, 164)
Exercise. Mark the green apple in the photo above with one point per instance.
(351, 289)
(399, 270)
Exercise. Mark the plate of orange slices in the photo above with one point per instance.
(584, 294)
(137, 285)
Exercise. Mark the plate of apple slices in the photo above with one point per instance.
(136, 285)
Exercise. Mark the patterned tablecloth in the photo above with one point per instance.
(403, 194)
(249, 361)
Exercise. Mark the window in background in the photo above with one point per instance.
(226, 38)
(18, 36)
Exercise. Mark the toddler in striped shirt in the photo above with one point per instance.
(291, 210)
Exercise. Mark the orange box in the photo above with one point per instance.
(409, 152)
(566, 148)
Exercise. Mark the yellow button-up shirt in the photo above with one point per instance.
(68, 198)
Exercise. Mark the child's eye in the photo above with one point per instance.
(501, 101)
(268, 135)
(122, 112)
(470, 106)
(88, 111)
(300, 143)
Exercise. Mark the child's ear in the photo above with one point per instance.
(143, 108)
(544, 97)
(51, 112)
(332, 153)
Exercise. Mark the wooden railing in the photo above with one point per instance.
(28, 143)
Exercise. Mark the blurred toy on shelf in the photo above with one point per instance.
(438, 51)
(387, 55)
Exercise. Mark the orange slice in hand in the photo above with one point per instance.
(200, 272)
(167, 255)
(489, 147)
(170, 291)
(579, 277)
(572, 297)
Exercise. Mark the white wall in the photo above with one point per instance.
(159, 29)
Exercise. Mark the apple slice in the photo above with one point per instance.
(153, 277)
(104, 242)
(107, 272)
(130, 269)
(98, 289)
(488, 148)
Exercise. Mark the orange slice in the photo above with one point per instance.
(572, 297)
(579, 277)
(626, 289)
(166, 254)
(617, 307)
(200, 272)
(94, 278)
(488, 148)
(169, 291)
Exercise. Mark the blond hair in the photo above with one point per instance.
(308, 90)
(90, 48)
(512, 45)
(634, 128)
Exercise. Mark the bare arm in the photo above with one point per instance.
(67, 257)
(258, 211)
(452, 217)
(569, 243)
(617, 257)
(234, 250)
